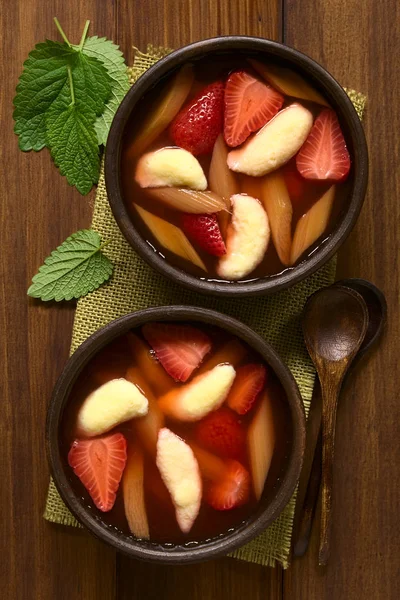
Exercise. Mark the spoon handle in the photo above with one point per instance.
(330, 394)
(306, 518)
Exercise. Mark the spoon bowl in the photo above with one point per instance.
(377, 311)
(334, 326)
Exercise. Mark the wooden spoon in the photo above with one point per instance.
(310, 478)
(335, 322)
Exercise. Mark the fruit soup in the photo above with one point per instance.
(174, 431)
(234, 171)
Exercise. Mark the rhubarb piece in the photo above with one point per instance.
(260, 443)
(170, 167)
(222, 181)
(199, 123)
(147, 427)
(180, 472)
(227, 482)
(247, 240)
(196, 399)
(189, 201)
(324, 155)
(249, 382)
(99, 464)
(112, 403)
(164, 112)
(204, 230)
(170, 237)
(231, 353)
(156, 488)
(274, 144)
(147, 363)
(279, 209)
(133, 493)
(251, 186)
(288, 82)
(296, 185)
(221, 432)
(312, 225)
(249, 105)
(179, 348)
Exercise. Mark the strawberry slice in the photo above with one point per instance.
(199, 123)
(221, 432)
(99, 464)
(204, 230)
(249, 382)
(232, 490)
(249, 105)
(324, 155)
(179, 348)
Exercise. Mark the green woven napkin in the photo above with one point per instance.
(135, 286)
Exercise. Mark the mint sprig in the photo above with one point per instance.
(66, 98)
(74, 269)
(113, 60)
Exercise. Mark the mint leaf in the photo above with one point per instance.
(74, 269)
(113, 60)
(44, 76)
(73, 145)
(91, 85)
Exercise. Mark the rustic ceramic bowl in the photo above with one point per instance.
(261, 49)
(274, 498)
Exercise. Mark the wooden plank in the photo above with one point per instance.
(221, 579)
(173, 23)
(358, 42)
(38, 211)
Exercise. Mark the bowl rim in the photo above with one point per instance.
(323, 81)
(219, 546)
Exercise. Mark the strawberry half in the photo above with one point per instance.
(249, 382)
(324, 155)
(199, 123)
(221, 432)
(249, 105)
(232, 490)
(179, 348)
(99, 464)
(204, 230)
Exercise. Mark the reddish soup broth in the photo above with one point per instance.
(303, 193)
(114, 361)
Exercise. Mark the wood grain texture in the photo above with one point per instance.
(358, 42)
(174, 23)
(225, 579)
(38, 211)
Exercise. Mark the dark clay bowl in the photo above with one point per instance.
(273, 500)
(321, 80)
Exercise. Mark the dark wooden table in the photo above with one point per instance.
(359, 42)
